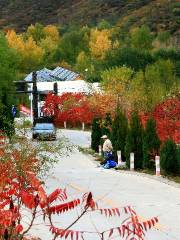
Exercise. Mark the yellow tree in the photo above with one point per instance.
(50, 42)
(32, 55)
(116, 82)
(136, 94)
(100, 42)
(117, 79)
(15, 41)
(52, 32)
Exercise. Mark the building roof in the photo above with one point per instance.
(63, 74)
(58, 74)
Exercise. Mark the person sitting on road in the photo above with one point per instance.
(107, 148)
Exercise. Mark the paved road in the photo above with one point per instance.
(114, 189)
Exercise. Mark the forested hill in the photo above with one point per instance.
(157, 14)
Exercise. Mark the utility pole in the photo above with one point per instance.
(55, 88)
(35, 98)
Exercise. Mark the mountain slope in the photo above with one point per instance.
(158, 14)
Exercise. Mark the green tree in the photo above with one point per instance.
(71, 44)
(178, 158)
(135, 59)
(168, 157)
(134, 141)
(119, 132)
(96, 134)
(164, 37)
(159, 80)
(103, 24)
(151, 143)
(141, 38)
(8, 72)
(36, 32)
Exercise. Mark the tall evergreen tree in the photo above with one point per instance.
(96, 134)
(106, 125)
(134, 141)
(169, 157)
(119, 131)
(151, 143)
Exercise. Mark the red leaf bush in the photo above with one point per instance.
(20, 189)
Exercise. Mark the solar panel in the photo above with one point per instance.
(58, 74)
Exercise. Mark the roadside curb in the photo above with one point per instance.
(156, 178)
(145, 175)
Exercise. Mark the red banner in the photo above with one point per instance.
(25, 110)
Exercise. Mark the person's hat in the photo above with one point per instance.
(104, 136)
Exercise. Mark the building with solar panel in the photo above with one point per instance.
(56, 75)
(67, 82)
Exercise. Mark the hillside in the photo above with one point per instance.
(158, 14)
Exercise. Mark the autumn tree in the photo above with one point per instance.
(100, 104)
(49, 43)
(166, 114)
(117, 80)
(100, 42)
(30, 53)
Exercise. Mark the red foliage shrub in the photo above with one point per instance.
(167, 116)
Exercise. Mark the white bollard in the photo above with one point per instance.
(158, 170)
(119, 158)
(132, 161)
(65, 125)
(83, 126)
(100, 150)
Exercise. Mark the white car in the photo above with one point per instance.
(44, 131)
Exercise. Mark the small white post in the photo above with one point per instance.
(119, 158)
(158, 170)
(65, 125)
(100, 150)
(132, 161)
(83, 126)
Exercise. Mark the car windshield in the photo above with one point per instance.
(47, 126)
